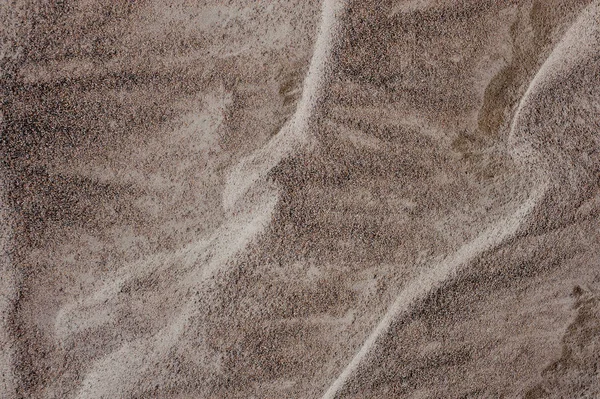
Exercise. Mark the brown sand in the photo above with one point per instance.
(298, 199)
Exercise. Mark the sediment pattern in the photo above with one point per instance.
(337, 199)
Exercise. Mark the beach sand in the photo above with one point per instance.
(300, 199)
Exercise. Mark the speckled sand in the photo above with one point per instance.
(300, 199)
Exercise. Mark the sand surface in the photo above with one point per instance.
(300, 199)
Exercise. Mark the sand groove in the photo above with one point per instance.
(285, 199)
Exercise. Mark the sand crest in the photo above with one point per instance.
(290, 199)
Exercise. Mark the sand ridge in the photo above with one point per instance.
(519, 221)
(336, 220)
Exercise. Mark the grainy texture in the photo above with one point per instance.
(300, 199)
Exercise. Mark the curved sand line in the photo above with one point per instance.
(563, 57)
(228, 240)
(433, 279)
(253, 203)
(129, 363)
(246, 174)
(298, 131)
(579, 43)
